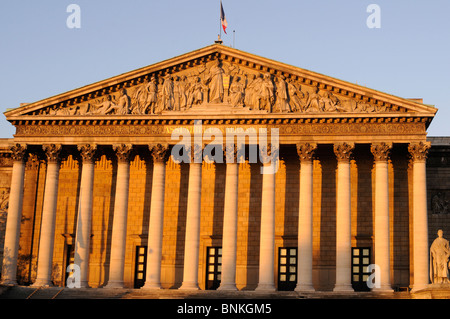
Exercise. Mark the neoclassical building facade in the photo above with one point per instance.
(326, 181)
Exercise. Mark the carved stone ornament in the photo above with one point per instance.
(123, 152)
(233, 153)
(268, 153)
(343, 151)
(419, 151)
(439, 258)
(19, 152)
(381, 151)
(52, 151)
(439, 203)
(4, 200)
(213, 83)
(306, 151)
(160, 152)
(87, 152)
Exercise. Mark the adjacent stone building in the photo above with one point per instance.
(93, 177)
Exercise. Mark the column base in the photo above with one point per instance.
(42, 283)
(304, 288)
(8, 282)
(265, 287)
(227, 287)
(114, 285)
(189, 286)
(383, 288)
(151, 286)
(343, 288)
(416, 288)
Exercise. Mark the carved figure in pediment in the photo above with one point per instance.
(145, 97)
(183, 91)
(124, 103)
(167, 93)
(237, 92)
(197, 92)
(176, 93)
(314, 102)
(105, 107)
(251, 84)
(296, 97)
(330, 103)
(215, 80)
(266, 98)
(439, 255)
(282, 95)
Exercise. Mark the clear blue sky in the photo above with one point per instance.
(408, 56)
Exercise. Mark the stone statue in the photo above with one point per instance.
(250, 91)
(282, 95)
(314, 102)
(145, 97)
(216, 91)
(196, 93)
(124, 104)
(438, 204)
(167, 93)
(266, 96)
(237, 92)
(105, 107)
(439, 254)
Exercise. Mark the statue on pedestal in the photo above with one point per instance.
(439, 254)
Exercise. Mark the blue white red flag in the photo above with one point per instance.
(223, 19)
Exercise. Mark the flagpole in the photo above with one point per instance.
(220, 20)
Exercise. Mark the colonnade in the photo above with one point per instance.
(266, 282)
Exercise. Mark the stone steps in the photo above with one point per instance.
(21, 292)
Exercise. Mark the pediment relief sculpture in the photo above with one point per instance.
(216, 83)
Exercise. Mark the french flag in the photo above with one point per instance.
(223, 19)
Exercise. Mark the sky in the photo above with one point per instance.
(407, 54)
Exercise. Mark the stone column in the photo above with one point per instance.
(119, 229)
(380, 152)
(83, 232)
(230, 217)
(305, 218)
(156, 222)
(191, 249)
(267, 235)
(343, 218)
(46, 242)
(418, 153)
(12, 232)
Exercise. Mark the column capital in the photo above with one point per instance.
(381, 151)
(419, 151)
(160, 152)
(268, 152)
(123, 152)
(306, 151)
(52, 151)
(232, 154)
(343, 151)
(87, 152)
(196, 153)
(19, 152)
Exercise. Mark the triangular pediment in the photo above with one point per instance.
(218, 80)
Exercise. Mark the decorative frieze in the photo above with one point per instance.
(166, 129)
